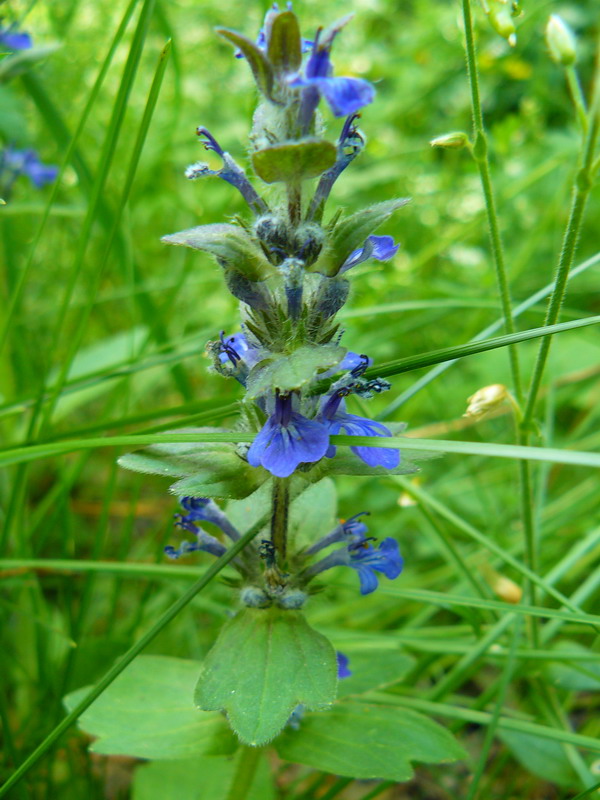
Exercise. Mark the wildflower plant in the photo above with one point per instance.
(287, 262)
(318, 644)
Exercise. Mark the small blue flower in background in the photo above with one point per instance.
(287, 439)
(15, 40)
(334, 415)
(342, 662)
(381, 248)
(14, 163)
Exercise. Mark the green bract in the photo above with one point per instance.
(264, 664)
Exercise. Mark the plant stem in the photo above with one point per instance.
(244, 772)
(133, 651)
(581, 191)
(480, 154)
(577, 97)
(279, 516)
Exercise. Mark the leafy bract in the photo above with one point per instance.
(205, 469)
(264, 663)
(285, 44)
(148, 712)
(231, 246)
(259, 64)
(294, 161)
(285, 373)
(364, 740)
(351, 233)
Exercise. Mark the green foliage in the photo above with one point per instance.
(350, 233)
(210, 469)
(198, 779)
(294, 162)
(292, 370)
(148, 712)
(362, 740)
(232, 247)
(284, 663)
(83, 541)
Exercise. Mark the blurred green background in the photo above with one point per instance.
(131, 345)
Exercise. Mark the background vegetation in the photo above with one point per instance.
(103, 332)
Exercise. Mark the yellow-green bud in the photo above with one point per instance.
(452, 141)
(561, 41)
(486, 399)
(500, 14)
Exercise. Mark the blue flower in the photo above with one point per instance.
(238, 355)
(15, 40)
(350, 531)
(381, 248)
(343, 95)
(334, 415)
(202, 509)
(365, 559)
(27, 162)
(342, 663)
(287, 439)
(204, 541)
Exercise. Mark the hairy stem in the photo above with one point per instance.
(279, 516)
(480, 154)
(244, 772)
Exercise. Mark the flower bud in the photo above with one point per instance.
(451, 141)
(500, 15)
(506, 589)
(292, 599)
(486, 399)
(561, 41)
(253, 597)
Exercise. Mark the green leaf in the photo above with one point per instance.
(231, 245)
(202, 778)
(288, 372)
(259, 64)
(148, 712)
(285, 47)
(543, 757)
(279, 663)
(373, 669)
(294, 162)
(313, 514)
(366, 741)
(576, 676)
(206, 469)
(236, 486)
(351, 233)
